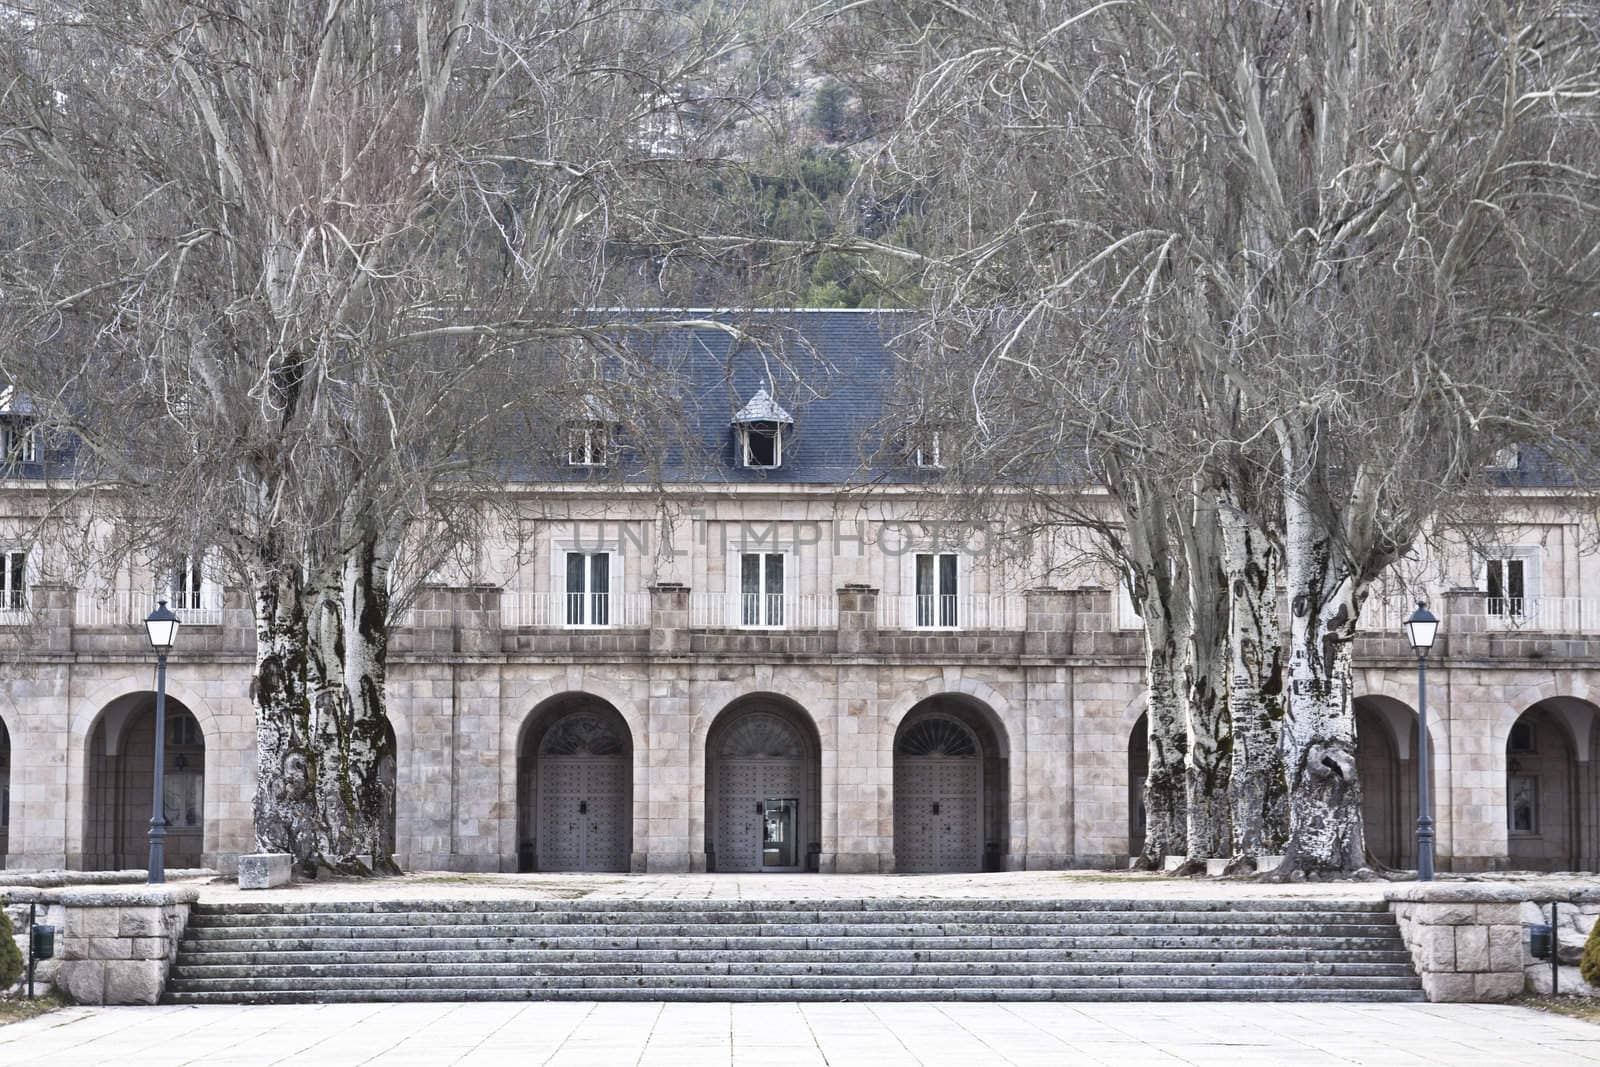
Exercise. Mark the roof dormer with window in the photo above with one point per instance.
(19, 436)
(589, 436)
(760, 427)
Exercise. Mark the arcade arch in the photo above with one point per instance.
(763, 787)
(5, 792)
(1550, 787)
(950, 788)
(119, 764)
(575, 787)
(1138, 769)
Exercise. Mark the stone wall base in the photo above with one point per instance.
(1469, 940)
(113, 945)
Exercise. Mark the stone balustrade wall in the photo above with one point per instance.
(1469, 940)
(113, 945)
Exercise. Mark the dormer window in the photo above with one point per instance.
(588, 444)
(19, 436)
(1506, 459)
(589, 435)
(925, 450)
(760, 426)
(763, 445)
(19, 441)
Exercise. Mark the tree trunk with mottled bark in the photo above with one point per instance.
(349, 661)
(1319, 736)
(1207, 751)
(1159, 591)
(284, 805)
(1258, 788)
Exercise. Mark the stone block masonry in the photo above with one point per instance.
(1469, 940)
(113, 945)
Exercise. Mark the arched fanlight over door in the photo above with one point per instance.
(583, 733)
(937, 736)
(762, 736)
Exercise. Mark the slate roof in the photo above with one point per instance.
(831, 372)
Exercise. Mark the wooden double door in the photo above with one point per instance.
(584, 816)
(937, 815)
(759, 814)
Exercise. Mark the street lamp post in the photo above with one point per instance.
(162, 627)
(1421, 629)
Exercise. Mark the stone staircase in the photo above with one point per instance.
(880, 949)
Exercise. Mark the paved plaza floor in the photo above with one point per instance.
(776, 1035)
(1000, 885)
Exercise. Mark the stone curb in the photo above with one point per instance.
(50, 879)
(1491, 893)
(96, 897)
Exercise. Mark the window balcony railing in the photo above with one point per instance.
(573, 611)
(122, 607)
(763, 611)
(1532, 614)
(971, 612)
(1543, 614)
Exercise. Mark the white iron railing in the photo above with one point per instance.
(1544, 614)
(994, 612)
(573, 611)
(1384, 613)
(122, 607)
(763, 611)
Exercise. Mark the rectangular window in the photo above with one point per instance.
(588, 589)
(1506, 583)
(1506, 459)
(761, 589)
(19, 441)
(763, 444)
(1522, 806)
(14, 581)
(937, 600)
(184, 798)
(926, 453)
(587, 444)
(187, 582)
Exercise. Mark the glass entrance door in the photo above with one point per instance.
(779, 819)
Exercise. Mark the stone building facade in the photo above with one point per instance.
(786, 671)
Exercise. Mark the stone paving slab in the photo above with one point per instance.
(445, 885)
(764, 1035)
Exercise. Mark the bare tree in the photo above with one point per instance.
(299, 276)
(1367, 225)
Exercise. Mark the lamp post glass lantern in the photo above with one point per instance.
(1421, 628)
(161, 625)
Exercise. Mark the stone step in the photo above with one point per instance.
(422, 969)
(771, 950)
(1003, 943)
(204, 955)
(553, 931)
(1175, 992)
(734, 918)
(268, 983)
(875, 904)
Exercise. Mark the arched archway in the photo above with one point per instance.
(1386, 767)
(951, 788)
(388, 780)
(1546, 797)
(763, 787)
(575, 787)
(1378, 769)
(5, 793)
(120, 765)
(1138, 768)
